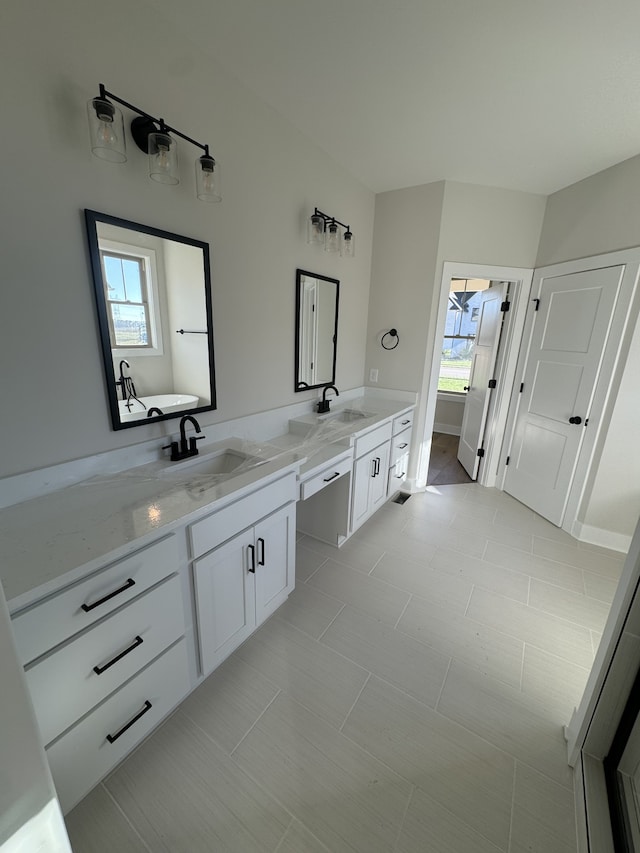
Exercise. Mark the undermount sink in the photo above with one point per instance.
(221, 462)
(346, 416)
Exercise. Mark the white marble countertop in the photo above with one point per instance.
(51, 541)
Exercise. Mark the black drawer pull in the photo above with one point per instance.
(261, 551)
(401, 476)
(404, 423)
(100, 669)
(129, 583)
(252, 550)
(402, 446)
(332, 477)
(147, 707)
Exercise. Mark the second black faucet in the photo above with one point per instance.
(323, 405)
(183, 449)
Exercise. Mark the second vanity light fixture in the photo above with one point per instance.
(322, 230)
(154, 137)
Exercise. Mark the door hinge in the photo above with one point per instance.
(537, 301)
(480, 452)
(505, 306)
(507, 462)
(521, 387)
(492, 383)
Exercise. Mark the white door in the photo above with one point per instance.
(570, 328)
(485, 350)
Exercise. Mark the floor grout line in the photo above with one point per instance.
(404, 609)
(318, 639)
(441, 691)
(256, 721)
(124, 815)
(344, 722)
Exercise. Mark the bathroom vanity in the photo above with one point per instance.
(126, 590)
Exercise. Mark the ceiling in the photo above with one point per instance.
(528, 95)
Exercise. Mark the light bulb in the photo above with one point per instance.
(162, 159)
(106, 136)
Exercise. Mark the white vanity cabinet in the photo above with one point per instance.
(248, 570)
(100, 663)
(370, 474)
(399, 455)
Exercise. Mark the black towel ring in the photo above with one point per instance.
(393, 333)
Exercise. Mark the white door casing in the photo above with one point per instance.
(485, 350)
(566, 346)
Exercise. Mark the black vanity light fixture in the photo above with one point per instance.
(322, 230)
(154, 137)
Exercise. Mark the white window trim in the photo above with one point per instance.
(153, 296)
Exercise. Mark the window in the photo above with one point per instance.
(459, 333)
(133, 281)
(127, 300)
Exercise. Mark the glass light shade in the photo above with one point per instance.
(332, 238)
(348, 245)
(315, 230)
(208, 179)
(163, 158)
(106, 128)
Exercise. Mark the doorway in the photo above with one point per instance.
(504, 371)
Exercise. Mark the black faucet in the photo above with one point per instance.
(183, 450)
(323, 405)
(123, 380)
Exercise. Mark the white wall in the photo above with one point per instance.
(448, 416)
(52, 57)
(598, 215)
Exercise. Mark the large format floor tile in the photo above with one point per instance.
(459, 770)
(349, 800)
(543, 815)
(184, 794)
(307, 670)
(399, 659)
(97, 818)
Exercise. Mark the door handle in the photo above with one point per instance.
(466, 388)
(575, 420)
(261, 552)
(252, 550)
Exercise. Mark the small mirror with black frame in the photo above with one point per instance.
(316, 330)
(155, 315)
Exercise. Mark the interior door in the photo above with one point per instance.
(485, 350)
(571, 321)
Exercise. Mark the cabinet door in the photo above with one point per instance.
(225, 599)
(378, 483)
(275, 544)
(363, 472)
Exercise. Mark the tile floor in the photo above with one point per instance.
(444, 467)
(409, 697)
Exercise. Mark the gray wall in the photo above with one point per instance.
(55, 54)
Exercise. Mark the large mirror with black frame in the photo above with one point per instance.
(316, 330)
(153, 298)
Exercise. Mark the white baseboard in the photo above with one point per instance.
(599, 536)
(448, 429)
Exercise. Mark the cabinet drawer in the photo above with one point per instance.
(402, 422)
(400, 445)
(45, 625)
(65, 685)
(325, 478)
(372, 439)
(215, 529)
(84, 755)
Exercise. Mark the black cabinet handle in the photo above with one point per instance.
(402, 446)
(404, 423)
(401, 476)
(147, 707)
(252, 567)
(576, 420)
(332, 477)
(373, 462)
(261, 551)
(100, 669)
(129, 583)
(377, 466)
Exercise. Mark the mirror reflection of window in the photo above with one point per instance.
(126, 293)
